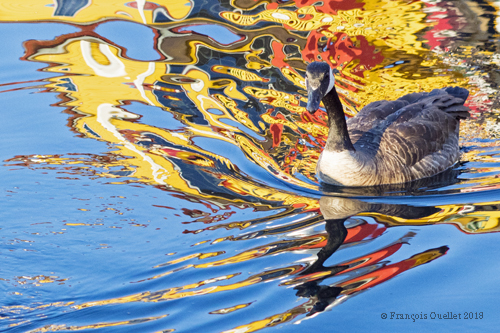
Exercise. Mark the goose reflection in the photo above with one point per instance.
(442, 181)
(336, 210)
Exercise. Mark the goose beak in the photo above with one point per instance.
(313, 99)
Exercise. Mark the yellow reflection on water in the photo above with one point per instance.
(96, 82)
(476, 218)
(63, 327)
(394, 21)
(87, 13)
(245, 92)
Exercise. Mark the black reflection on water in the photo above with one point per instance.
(324, 295)
(336, 210)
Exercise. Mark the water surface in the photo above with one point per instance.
(158, 169)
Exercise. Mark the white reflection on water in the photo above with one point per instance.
(158, 220)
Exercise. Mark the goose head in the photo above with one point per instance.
(319, 82)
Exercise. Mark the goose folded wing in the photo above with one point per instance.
(417, 134)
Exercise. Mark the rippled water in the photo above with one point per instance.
(158, 169)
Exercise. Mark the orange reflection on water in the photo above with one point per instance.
(237, 80)
(96, 79)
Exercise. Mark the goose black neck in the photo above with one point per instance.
(338, 136)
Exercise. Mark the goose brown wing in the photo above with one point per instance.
(449, 100)
(375, 113)
(426, 126)
(412, 127)
(415, 135)
(368, 126)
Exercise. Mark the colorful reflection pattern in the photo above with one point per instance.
(215, 114)
(258, 105)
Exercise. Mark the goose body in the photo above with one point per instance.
(387, 142)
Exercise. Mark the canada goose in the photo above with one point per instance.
(387, 142)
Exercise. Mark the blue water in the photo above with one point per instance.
(89, 242)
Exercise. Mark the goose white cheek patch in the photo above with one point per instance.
(332, 82)
(313, 84)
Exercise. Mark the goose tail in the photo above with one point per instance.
(450, 100)
(458, 109)
(458, 92)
